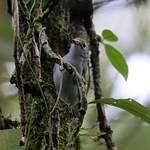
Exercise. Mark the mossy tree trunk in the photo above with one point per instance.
(42, 30)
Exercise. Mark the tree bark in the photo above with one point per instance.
(41, 30)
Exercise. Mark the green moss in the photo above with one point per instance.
(36, 125)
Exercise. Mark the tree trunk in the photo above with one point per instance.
(43, 29)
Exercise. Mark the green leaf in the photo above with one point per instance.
(129, 105)
(117, 60)
(108, 35)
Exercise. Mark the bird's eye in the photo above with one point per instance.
(83, 45)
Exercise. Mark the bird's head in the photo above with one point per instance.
(80, 47)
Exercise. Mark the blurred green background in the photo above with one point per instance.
(132, 25)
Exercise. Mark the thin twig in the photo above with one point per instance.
(59, 92)
(103, 125)
(32, 7)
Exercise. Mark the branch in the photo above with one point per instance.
(103, 125)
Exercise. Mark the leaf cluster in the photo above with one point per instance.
(120, 64)
(114, 55)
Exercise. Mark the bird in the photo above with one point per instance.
(78, 57)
